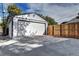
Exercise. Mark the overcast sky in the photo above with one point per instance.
(60, 12)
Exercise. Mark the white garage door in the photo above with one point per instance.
(30, 28)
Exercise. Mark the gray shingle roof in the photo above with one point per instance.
(74, 20)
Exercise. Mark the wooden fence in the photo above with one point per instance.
(64, 30)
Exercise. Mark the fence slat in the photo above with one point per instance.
(50, 30)
(56, 30)
(71, 30)
(77, 30)
(64, 30)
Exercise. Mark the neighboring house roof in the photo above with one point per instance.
(63, 22)
(74, 20)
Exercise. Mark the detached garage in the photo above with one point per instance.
(28, 24)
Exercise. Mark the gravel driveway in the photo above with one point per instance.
(40, 46)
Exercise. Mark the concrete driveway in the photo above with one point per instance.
(40, 46)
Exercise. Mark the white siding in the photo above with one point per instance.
(33, 28)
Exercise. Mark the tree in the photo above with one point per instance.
(12, 11)
(50, 20)
(4, 26)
